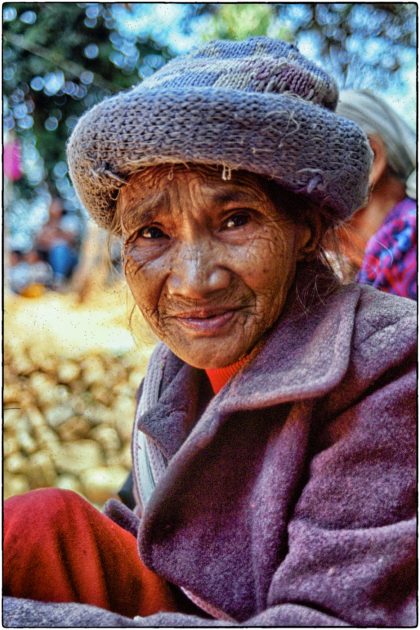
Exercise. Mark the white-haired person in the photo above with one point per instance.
(381, 238)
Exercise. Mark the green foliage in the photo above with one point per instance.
(238, 21)
(59, 60)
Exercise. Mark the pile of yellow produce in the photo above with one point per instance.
(71, 373)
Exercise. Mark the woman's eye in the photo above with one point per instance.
(152, 232)
(237, 220)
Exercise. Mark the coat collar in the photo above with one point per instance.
(185, 393)
(305, 356)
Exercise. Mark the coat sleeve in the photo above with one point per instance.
(27, 613)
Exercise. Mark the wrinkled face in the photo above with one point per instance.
(209, 262)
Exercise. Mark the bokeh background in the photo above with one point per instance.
(72, 363)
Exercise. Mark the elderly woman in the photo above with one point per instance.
(380, 240)
(273, 446)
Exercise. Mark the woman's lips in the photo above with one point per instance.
(210, 323)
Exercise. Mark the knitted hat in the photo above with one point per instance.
(256, 105)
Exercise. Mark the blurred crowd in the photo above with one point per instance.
(53, 257)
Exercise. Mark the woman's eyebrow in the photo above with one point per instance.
(225, 196)
(145, 210)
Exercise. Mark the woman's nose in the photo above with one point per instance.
(196, 272)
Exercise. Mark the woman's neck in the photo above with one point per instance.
(386, 194)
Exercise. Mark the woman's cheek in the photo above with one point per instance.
(266, 262)
(145, 275)
(133, 266)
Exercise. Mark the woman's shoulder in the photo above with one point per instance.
(385, 325)
(378, 310)
(382, 361)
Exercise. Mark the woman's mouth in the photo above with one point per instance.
(206, 322)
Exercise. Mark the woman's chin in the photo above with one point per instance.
(209, 358)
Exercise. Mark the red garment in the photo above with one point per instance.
(218, 377)
(59, 548)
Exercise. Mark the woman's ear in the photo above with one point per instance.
(380, 160)
(310, 235)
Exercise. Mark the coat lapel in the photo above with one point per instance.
(170, 420)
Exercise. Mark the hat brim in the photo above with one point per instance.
(304, 147)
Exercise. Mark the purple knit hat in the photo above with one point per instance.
(256, 105)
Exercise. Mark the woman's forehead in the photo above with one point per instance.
(155, 182)
(154, 178)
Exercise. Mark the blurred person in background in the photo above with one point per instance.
(58, 240)
(40, 274)
(28, 274)
(380, 241)
(17, 271)
(274, 459)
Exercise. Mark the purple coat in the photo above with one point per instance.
(291, 500)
